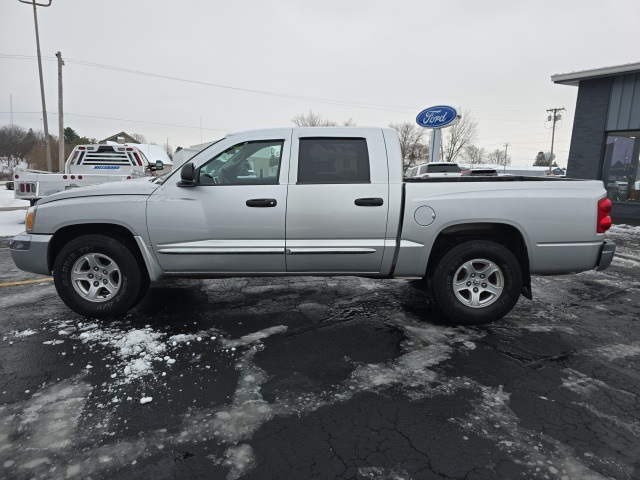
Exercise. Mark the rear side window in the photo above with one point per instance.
(333, 160)
(443, 169)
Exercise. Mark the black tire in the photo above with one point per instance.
(115, 287)
(477, 282)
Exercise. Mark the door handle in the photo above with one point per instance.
(369, 202)
(262, 202)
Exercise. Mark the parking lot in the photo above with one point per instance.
(323, 377)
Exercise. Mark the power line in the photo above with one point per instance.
(127, 120)
(370, 106)
(365, 105)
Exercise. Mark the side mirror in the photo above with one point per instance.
(187, 175)
(158, 166)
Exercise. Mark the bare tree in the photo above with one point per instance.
(169, 149)
(458, 136)
(37, 157)
(413, 144)
(499, 157)
(474, 155)
(138, 137)
(315, 120)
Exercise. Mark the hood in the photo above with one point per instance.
(140, 186)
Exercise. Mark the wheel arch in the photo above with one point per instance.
(118, 232)
(506, 235)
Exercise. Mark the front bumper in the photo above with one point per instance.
(606, 255)
(31, 252)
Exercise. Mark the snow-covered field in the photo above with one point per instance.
(11, 222)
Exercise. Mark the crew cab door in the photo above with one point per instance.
(338, 201)
(233, 220)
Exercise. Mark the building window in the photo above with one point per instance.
(620, 172)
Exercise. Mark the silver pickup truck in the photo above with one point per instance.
(315, 201)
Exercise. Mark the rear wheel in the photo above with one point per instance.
(477, 282)
(99, 276)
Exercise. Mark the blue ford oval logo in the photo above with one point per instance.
(437, 117)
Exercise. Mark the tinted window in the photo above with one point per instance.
(333, 160)
(250, 163)
(443, 169)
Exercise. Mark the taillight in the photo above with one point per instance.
(64, 177)
(16, 176)
(79, 177)
(604, 220)
(22, 188)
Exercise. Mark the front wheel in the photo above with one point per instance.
(477, 282)
(98, 276)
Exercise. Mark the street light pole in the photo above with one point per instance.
(44, 105)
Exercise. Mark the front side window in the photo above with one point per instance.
(333, 160)
(247, 163)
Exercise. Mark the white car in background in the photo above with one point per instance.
(434, 170)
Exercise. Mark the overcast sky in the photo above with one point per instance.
(374, 61)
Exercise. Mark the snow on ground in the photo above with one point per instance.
(135, 355)
(7, 200)
(11, 222)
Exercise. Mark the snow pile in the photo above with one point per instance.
(135, 350)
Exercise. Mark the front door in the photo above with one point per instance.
(233, 220)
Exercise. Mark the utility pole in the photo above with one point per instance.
(61, 155)
(555, 118)
(506, 147)
(44, 106)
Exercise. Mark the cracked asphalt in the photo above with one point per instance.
(301, 377)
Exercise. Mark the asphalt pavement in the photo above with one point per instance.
(309, 377)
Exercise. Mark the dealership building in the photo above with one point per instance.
(605, 143)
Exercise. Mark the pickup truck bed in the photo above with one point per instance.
(316, 201)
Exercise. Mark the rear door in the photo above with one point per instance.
(338, 201)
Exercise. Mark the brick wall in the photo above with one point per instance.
(589, 124)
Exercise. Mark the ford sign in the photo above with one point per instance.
(437, 117)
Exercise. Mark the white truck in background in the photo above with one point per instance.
(89, 165)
